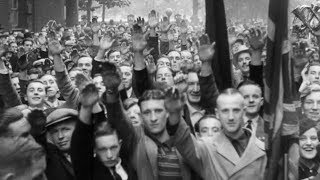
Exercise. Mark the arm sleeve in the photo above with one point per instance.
(124, 128)
(7, 91)
(82, 151)
(70, 93)
(209, 93)
(140, 82)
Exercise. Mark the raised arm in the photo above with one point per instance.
(82, 143)
(192, 151)
(140, 81)
(69, 92)
(208, 87)
(7, 91)
(115, 113)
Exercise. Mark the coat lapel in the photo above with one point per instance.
(152, 152)
(254, 150)
(226, 149)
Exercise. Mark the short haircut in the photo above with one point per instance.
(312, 64)
(27, 39)
(229, 91)
(84, 56)
(7, 117)
(248, 82)
(104, 129)
(307, 94)
(14, 75)
(34, 71)
(154, 94)
(18, 154)
(197, 125)
(130, 102)
(110, 52)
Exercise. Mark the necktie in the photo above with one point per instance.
(249, 125)
(115, 174)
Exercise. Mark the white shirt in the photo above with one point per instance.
(120, 171)
(129, 92)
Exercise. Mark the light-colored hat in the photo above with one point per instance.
(60, 115)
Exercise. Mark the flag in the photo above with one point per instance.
(280, 109)
(216, 28)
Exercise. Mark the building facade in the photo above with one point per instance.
(30, 14)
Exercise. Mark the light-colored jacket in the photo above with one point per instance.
(219, 159)
(145, 158)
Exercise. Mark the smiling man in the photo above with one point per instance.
(36, 95)
(253, 101)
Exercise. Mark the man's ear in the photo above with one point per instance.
(216, 112)
(262, 101)
(25, 98)
(120, 143)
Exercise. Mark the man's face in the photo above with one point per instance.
(51, 85)
(163, 62)
(253, 99)
(13, 47)
(209, 127)
(315, 56)
(20, 128)
(27, 46)
(16, 83)
(115, 57)
(311, 106)
(175, 59)
(193, 90)
(98, 81)
(36, 94)
(34, 172)
(85, 63)
(230, 110)
(165, 75)
(126, 76)
(186, 57)
(154, 116)
(134, 114)
(107, 149)
(314, 74)
(308, 143)
(244, 60)
(61, 134)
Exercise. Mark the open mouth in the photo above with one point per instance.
(36, 98)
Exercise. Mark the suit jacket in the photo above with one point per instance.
(86, 166)
(219, 159)
(143, 151)
(58, 167)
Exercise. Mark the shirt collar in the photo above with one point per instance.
(193, 110)
(129, 92)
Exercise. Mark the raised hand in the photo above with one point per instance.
(55, 48)
(112, 82)
(106, 42)
(256, 39)
(139, 42)
(89, 96)
(174, 101)
(151, 65)
(140, 21)
(206, 52)
(180, 81)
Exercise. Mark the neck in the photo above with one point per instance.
(52, 99)
(252, 116)
(162, 137)
(234, 135)
(195, 105)
(39, 106)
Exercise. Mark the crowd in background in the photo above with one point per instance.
(139, 101)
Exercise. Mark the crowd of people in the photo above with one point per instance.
(139, 101)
